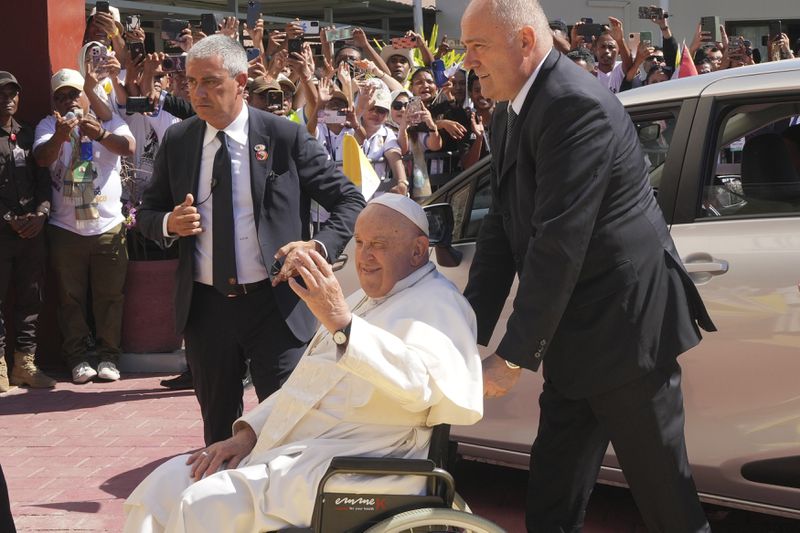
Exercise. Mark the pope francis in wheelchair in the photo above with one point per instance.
(387, 365)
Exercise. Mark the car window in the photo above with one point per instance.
(755, 169)
(655, 137)
(480, 206)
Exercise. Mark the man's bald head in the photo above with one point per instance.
(389, 247)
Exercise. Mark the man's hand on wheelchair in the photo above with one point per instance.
(498, 376)
(225, 454)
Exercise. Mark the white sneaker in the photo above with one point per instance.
(108, 371)
(82, 373)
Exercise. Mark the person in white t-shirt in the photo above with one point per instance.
(87, 242)
(607, 48)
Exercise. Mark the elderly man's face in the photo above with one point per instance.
(389, 247)
(216, 96)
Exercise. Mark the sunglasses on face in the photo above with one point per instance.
(399, 106)
(656, 59)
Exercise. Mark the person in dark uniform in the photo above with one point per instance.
(24, 207)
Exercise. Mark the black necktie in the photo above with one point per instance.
(224, 237)
(510, 125)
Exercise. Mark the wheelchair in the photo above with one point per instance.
(439, 509)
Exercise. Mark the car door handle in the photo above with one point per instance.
(702, 267)
(716, 267)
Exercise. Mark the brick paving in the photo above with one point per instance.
(72, 455)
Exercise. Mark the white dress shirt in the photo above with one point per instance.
(519, 100)
(250, 266)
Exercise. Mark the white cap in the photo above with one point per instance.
(389, 51)
(66, 77)
(398, 92)
(406, 207)
(382, 99)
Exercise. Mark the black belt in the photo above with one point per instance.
(247, 288)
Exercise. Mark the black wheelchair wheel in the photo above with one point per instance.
(432, 520)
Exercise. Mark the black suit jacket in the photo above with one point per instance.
(295, 171)
(603, 297)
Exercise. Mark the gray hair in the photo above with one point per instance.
(518, 13)
(234, 58)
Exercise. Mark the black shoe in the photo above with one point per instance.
(182, 382)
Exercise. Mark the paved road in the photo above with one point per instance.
(498, 493)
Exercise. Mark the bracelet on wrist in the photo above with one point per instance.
(102, 135)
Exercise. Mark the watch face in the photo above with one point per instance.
(339, 337)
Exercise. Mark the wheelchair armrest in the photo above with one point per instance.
(380, 465)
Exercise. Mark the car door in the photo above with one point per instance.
(737, 229)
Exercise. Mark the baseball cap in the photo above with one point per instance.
(262, 84)
(558, 24)
(398, 92)
(382, 99)
(6, 78)
(389, 51)
(283, 81)
(66, 77)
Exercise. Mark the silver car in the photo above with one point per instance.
(731, 195)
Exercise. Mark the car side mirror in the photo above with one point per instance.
(649, 133)
(440, 234)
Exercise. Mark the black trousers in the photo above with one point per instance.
(6, 520)
(221, 335)
(644, 421)
(22, 263)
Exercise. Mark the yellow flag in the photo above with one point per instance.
(358, 169)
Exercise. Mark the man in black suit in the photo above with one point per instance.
(235, 184)
(603, 299)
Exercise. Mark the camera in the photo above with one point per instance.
(174, 63)
(101, 7)
(138, 104)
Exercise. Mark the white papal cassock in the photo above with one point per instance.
(412, 362)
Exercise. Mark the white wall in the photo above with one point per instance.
(684, 14)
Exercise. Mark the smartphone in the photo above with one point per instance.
(101, 7)
(633, 41)
(339, 34)
(171, 28)
(765, 40)
(310, 26)
(135, 50)
(253, 13)
(587, 31)
(736, 45)
(252, 53)
(295, 45)
(650, 13)
(139, 104)
(133, 22)
(274, 98)
(98, 56)
(404, 42)
(711, 25)
(646, 37)
(209, 23)
(331, 116)
(587, 20)
(775, 29)
(439, 77)
(174, 63)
